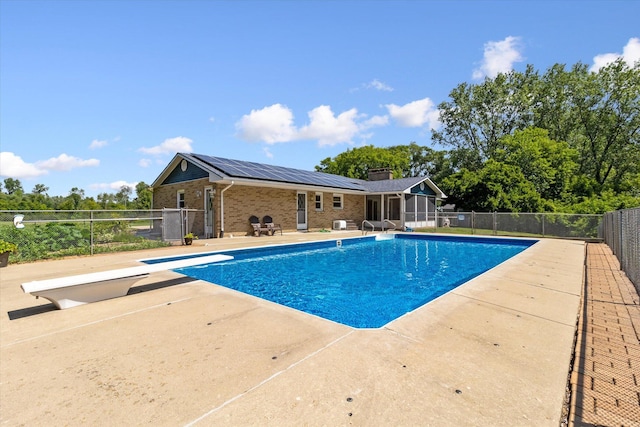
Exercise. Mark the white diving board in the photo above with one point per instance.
(70, 291)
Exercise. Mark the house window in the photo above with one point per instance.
(180, 199)
(337, 201)
(318, 201)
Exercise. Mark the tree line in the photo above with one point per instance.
(566, 140)
(13, 197)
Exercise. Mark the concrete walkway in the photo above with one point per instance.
(179, 352)
(605, 379)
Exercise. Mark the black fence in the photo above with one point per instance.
(621, 231)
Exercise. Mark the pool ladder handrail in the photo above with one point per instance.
(373, 227)
(384, 221)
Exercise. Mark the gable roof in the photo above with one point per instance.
(228, 170)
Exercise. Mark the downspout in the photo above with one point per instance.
(222, 209)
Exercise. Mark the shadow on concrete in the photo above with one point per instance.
(33, 311)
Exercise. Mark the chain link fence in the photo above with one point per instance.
(568, 226)
(621, 232)
(57, 233)
(51, 234)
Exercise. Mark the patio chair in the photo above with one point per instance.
(258, 228)
(268, 222)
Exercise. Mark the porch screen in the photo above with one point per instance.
(431, 209)
(422, 208)
(410, 213)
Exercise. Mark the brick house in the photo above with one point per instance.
(224, 193)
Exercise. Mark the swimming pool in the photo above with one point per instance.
(360, 282)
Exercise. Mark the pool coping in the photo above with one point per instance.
(494, 351)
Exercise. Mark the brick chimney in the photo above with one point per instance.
(380, 174)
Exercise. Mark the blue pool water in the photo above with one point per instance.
(361, 282)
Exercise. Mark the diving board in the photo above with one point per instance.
(71, 291)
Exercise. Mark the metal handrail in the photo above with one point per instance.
(390, 222)
(373, 227)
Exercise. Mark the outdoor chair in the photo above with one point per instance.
(258, 228)
(268, 222)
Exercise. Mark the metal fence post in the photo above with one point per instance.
(91, 230)
(495, 223)
(473, 222)
(621, 234)
(543, 216)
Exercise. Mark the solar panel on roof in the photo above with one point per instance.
(242, 169)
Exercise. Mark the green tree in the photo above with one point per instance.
(73, 200)
(106, 200)
(495, 187)
(144, 196)
(598, 114)
(607, 111)
(40, 189)
(549, 165)
(356, 162)
(122, 196)
(13, 186)
(424, 161)
(478, 116)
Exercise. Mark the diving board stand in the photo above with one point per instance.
(71, 291)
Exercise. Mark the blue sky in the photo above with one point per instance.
(100, 94)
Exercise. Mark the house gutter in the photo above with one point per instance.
(222, 208)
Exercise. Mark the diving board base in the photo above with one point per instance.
(73, 296)
(71, 291)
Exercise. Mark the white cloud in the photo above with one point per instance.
(12, 166)
(630, 55)
(499, 57)
(415, 114)
(171, 145)
(65, 162)
(267, 153)
(97, 144)
(274, 124)
(329, 129)
(378, 85)
(144, 163)
(373, 84)
(271, 125)
(116, 185)
(375, 121)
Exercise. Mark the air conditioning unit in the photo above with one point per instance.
(339, 224)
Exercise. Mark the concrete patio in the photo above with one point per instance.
(177, 351)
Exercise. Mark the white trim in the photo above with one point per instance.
(333, 201)
(184, 201)
(316, 201)
(305, 225)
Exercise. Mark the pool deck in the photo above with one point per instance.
(177, 351)
(605, 377)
